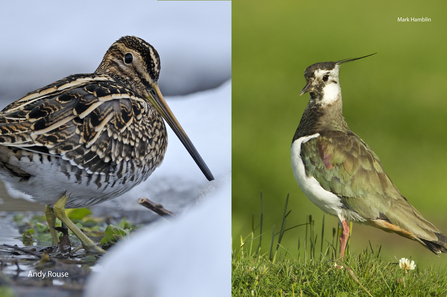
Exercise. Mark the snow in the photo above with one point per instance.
(46, 41)
(176, 184)
(188, 256)
(43, 41)
(191, 254)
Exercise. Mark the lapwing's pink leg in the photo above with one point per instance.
(343, 237)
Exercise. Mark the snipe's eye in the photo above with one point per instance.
(326, 77)
(128, 58)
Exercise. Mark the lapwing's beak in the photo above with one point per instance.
(350, 60)
(306, 88)
(156, 99)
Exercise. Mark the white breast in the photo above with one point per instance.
(325, 200)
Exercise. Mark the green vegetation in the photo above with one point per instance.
(361, 275)
(35, 229)
(114, 233)
(310, 270)
(395, 101)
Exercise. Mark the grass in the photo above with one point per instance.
(312, 269)
(395, 100)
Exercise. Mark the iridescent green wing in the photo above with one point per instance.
(346, 166)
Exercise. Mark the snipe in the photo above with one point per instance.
(90, 137)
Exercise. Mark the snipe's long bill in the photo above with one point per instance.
(156, 99)
(90, 137)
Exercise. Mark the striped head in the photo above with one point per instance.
(132, 61)
(322, 81)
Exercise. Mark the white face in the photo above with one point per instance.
(331, 89)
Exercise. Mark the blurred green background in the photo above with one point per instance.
(395, 100)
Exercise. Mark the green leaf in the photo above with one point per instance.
(18, 217)
(113, 234)
(37, 218)
(41, 227)
(77, 213)
(125, 224)
(27, 237)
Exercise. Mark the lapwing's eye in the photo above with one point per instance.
(326, 77)
(128, 58)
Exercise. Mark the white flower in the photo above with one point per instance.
(406, 264)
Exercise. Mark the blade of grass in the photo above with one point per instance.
(271, 243)
(283, 223)
(261, 224)
(322, 238)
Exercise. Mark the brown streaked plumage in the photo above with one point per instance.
(90, 137)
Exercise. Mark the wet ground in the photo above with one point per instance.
(24, 270)
(31, 271)
(37, 270)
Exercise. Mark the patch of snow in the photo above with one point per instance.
(46, 41)
(187, 256)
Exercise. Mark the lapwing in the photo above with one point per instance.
(342, 175)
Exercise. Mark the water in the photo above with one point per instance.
(21, 277)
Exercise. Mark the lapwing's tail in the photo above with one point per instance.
(437, 246)
(422, 231)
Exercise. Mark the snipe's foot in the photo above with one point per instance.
(58, 210)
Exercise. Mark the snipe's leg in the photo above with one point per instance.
(87, 243)
(51, 220)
